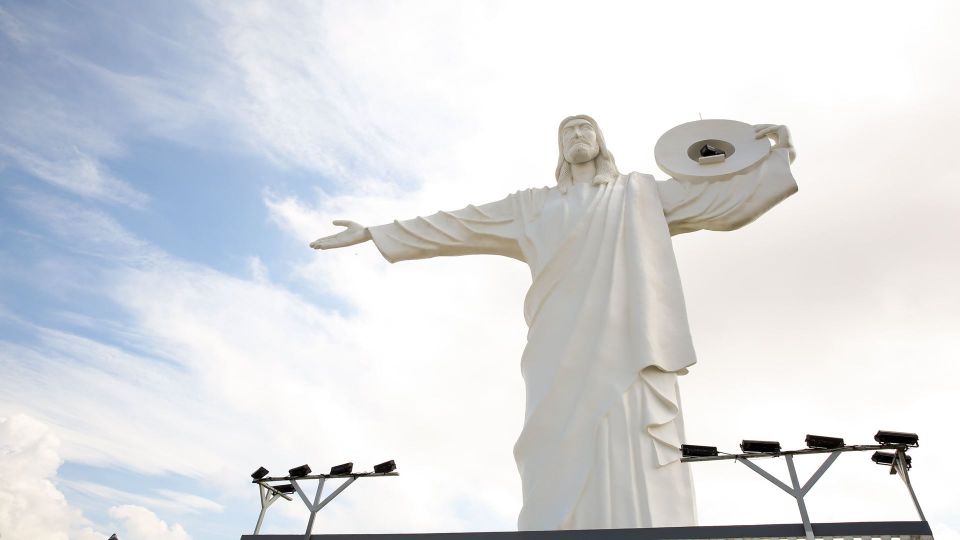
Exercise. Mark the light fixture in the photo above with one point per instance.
(345, 468)
(385, 467)
(259, 473)
(896, 437)
(760, 446)
(284, 488)
(692, 450)
(302, 470)
(887, 458)
(820, 441)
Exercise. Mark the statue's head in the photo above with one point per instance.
(582, 141)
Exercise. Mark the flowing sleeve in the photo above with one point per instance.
(725, 205)
(491, 229)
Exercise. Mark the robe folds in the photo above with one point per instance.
(608, 332)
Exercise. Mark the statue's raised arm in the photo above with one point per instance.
(731, 203)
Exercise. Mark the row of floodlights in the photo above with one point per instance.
(893, 438)
(336, 470)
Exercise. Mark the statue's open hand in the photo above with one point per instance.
(780, 136)
(355, 233)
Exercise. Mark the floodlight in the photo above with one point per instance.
(346, 468)
(284, 488)
(259, 473)
(302, 470)
(760, 446)
(385, 467)
(819, 441)
(896, 437)
(692, 450)
(887, 458)
(708, 151)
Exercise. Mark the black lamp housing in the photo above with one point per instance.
(820, 441)
(259, 473)
(345, 468)
(693, 450)
(385, 467)
(760, 447)
(887, 458)
(284, 488)
(896, 437)
(302, 470)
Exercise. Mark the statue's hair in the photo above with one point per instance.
(606, 167)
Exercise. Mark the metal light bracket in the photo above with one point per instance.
(797, 491)
(269, 494)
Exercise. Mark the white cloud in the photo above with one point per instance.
(31, 506)
(142, 524)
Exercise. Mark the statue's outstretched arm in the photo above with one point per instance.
(354, 233)
(486, 229)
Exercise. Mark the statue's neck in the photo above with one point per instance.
(583, 172)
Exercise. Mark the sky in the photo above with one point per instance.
(165, 330)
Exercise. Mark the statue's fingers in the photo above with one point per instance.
(342, 222)
(766, 131)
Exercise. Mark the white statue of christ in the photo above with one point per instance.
(608, 332)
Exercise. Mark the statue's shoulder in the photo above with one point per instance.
(640, 177)
(531, 200)
(533, 194)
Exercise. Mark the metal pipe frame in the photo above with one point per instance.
(269, 494)
(797, 491)
(803, 452)
(900, 467)
(317, 503)
(319, 476)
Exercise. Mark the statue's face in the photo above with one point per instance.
(579, 141)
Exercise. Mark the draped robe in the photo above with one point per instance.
(608, 332)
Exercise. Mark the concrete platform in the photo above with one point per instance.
(913, 530)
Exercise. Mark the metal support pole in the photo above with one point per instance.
(816, 476)
(773, 479)
(267, 497)
(317, 504)
(900, 466)
(796, 491)
(798, 494)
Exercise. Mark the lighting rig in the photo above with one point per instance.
(891, 451)
(282, 487)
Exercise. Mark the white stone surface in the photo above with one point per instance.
(608, 332)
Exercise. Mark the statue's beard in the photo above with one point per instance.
(581, 152)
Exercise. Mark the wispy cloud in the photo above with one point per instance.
(80, 229)
(165, 499)
(79, 173)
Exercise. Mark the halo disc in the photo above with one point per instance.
(678, 152)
